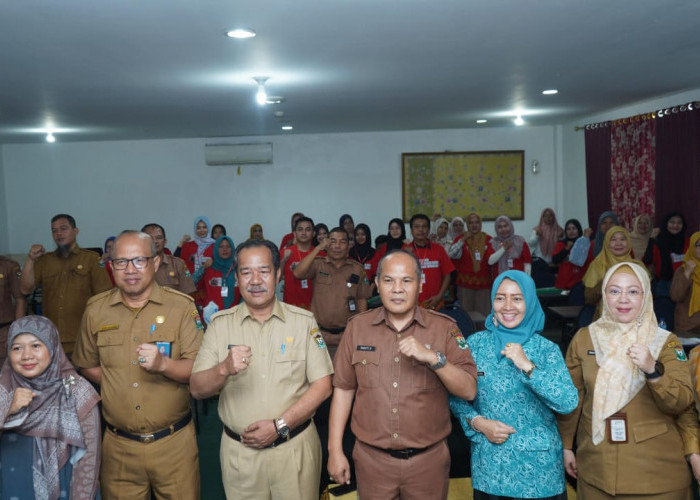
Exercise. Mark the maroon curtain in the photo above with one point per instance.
(678, 166)
(598, 185)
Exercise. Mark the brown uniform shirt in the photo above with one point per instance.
(288, 354)
(133, 399)
(67, 284)
(332, 288)
(9, 289)
(399, 402)
(174, 274)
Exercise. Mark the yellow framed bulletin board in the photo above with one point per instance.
(489, 183)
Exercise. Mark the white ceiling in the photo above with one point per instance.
(143, 69)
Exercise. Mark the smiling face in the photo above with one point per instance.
(618, 244)
(509, 304)
(674, 225)
(503, 229)
(135, 284)
(202, 230)
(394, 230)
(360, 236)
(624, 297)
(29, 356)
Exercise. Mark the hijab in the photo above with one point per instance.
(694, 305)
(619, 379)
(253, 228)
(362, 253)
(606, 259)
(475, 242)
(640, 241)
(599, 236)
(53, 417)
(225, 267)
(202, 243)
(578, 254)
(452, 233)
(445, 240)
(576, 223)
(670, 243)
(395, 243)
(532, 323)
(549, 233)
(497, 242)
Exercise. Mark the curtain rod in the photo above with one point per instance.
(690, 106)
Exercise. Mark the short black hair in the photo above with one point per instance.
(419, 217)
(153, 225)
(257, 244)
(223, 228)
(69, 218)
(304, 219)
(339, 229)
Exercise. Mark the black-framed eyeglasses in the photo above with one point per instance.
(138, 262)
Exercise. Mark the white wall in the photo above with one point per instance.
(109, 186)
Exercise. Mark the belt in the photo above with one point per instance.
(331, 330)
(404, 454)
(155, 436)
(275, 443)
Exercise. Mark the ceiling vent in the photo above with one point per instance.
(238, 154)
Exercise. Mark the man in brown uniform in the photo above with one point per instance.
(9, 291)
(269, 362)
(69, 276)
(399, 363)
(172, 271)
(341, 288)
(139, 341)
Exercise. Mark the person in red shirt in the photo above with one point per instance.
(510, 251)
(218, 283)
(195, 252)
(298, 292)
(363, 252)
(473, 272)
(569, 274)
(436, 266)
(289, 237)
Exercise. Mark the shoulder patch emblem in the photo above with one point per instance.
(459, 338)
(680, 354)
(197, 320)
(313, 332)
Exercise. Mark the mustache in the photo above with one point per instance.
(252, 289)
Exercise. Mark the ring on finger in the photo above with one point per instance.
(245, 360)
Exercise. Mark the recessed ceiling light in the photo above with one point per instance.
(240, 33)
(50, 138)
(519, 120)
(550, 92)
(287, 127)
(481, 121)
(274, 99)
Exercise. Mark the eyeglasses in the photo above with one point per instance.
(632, 293)
(138, 262)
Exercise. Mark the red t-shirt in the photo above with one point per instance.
(211, 287)
(189, 250)
(435, 265)
(518, 263)
(466, 276)
(296, 292)
(569, 274)
(287, 238)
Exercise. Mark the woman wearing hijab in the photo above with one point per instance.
(633, 382)
(510, 251)
(515, 446)
(347, 223)
(672, 244)
(570, 273)
(685, 291)
(545, 236)
(605, 222)
(217, 283)
(363, 252)
(457, 229)
(439, 233)
(196, 252)
(473, 273)
(49, 419)
(643, 246)
(256, 232)
(396, 238)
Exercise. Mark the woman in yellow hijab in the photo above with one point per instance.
(685, 291)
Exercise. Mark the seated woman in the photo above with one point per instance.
(605, 222)
(523, 382)
(633, 382)
(672, 244)
(49, 419)
(196, 252)
(510, 251)
(217, 282)
(685, 291)
(570, 273)
(256, 232)
(644, 247)
(545, 236)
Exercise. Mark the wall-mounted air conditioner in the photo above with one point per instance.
(238, 154)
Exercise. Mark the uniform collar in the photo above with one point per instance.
(382, 317)
(243, 312)
(156, 296)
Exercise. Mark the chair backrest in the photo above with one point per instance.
(464, 321)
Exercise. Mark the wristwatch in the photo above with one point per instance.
(441, 361)
(282, 428)
(528, 373)
(658, 371)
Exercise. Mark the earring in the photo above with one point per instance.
(495, 321)
(639, 321)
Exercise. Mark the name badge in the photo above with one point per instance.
(591, 353)
(617, 428)
(477, 255)
(366, 348)
(224, 291)
(510, 263)
(480, 374)
(305, 283)
(163, 348)
(422, 278)
(368, 267)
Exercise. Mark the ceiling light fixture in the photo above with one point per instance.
(550, 92)
(287, 127)
(481, 121)
(519, 120)
(241, 33)
(50, 138)
(274, 99)
(261, 96)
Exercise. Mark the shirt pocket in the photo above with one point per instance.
(647, 430)
(290, 366)
(366, 365)
(165, 335)
(423, 377)
(324, 279)
(111, 348)
(79, 271)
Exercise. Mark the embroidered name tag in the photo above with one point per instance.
(591, 353)
(479, 374)
(322, 273)
(106, 328)
(366, 348)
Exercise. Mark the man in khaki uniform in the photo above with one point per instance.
(270, 364)
(139, 341)
(172, 271)
(13, 305)
(69, 276)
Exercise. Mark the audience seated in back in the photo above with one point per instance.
(510, 251)
(545, 236)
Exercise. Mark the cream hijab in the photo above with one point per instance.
(619, 380)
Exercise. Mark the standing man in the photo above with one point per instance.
(138, 341)
(69, 276)
(269, 363)
(340, 285)
(298, 292)
(398, 363)
(172, 271)
(435, 264)
(13, 305)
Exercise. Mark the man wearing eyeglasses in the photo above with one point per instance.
(68, 276)
(138, 341)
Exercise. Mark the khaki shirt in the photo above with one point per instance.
(133, 399)
(9, 289)
(174, 274)
(288, 355)
(67, 284)
(399, 402)
(332, 288)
